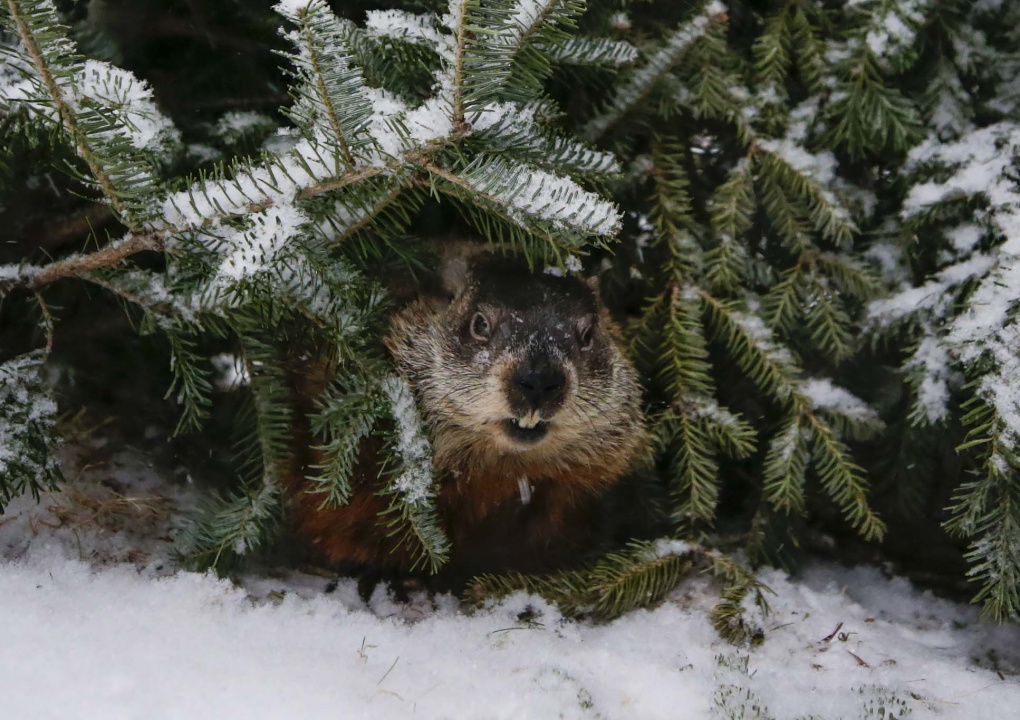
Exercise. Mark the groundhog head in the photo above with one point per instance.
(516, 363)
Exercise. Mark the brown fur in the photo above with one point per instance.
(461, 390)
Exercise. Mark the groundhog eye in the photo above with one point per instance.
(480, 328)
(586, 337)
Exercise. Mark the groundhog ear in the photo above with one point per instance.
(455, 276)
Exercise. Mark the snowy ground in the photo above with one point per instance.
(96, 625)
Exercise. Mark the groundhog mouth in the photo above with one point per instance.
(525, 434)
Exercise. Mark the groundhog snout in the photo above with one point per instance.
(538, 384)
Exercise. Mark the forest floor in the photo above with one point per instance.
(98, 624)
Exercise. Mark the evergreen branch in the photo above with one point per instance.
(148, 291)
(849, 415)
(367, 228)
(710, 88)
(828, 217)
(459, 10)
(107, 113)
(584, 50)
(506, 128)
(643, 330)
(728, 617)
(191, 386)
(870, 117)
(683, 353)
(536, 244)
(842, 479)
(34, 277)
(508, 57)
(732, 435)
(732, 204)
(849, 275)
(772, 48)
(785, 300)
(973, 500)
(769, 365)
(988, 511)
(32, 18)
(228, 527)
(726, 265)
(412, 511)
(568, 589)
(643, 81)
(695, 481)
(397, 53)
(272, 401)
(526, 193)
(787, 216)
(672, 213)
(888, 31)
(302, 175)
(639, 576)
(788, 34)
(784, 468)
(345, 416)
(810, 51)
(827, 320)
(27, 418)
(328, 85)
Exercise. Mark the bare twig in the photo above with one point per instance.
(33, 278)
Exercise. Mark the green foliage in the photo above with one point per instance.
(347, 413)
(812, 194)
(227, 528)
(411, 515)
(638, 576)
(27, 416)
(100, 109)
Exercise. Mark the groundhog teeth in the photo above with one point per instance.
(529, 422)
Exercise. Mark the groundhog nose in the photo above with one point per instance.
(540, 384)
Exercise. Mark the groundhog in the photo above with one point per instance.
(533, 410)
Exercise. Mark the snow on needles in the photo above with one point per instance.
(529, 191)
(826, 396)
(893, 27)
(979, 164)
(981, 160)
(131, 100)
(402, 25)
(25, 408)
(415, 481)
(255, 248)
